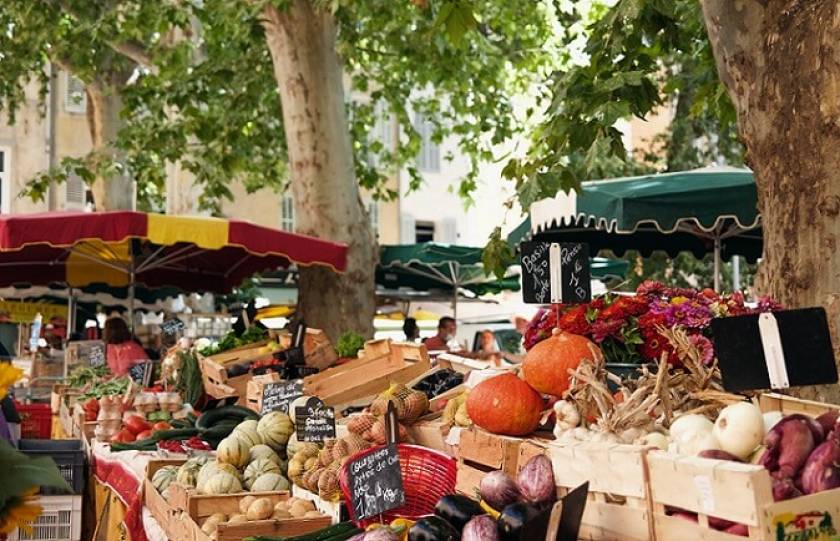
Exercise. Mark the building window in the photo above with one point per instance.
(5, 181)
(429, 157)
(424, 232)
(373, 217)
(75, 97)
(287, 213)
(382, 131)
(75, 192)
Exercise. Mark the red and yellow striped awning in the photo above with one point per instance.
(191, 253)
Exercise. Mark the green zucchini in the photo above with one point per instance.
(336, 532)
(174, 434)
(213, 416)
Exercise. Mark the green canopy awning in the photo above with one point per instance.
(708, 210)
(442, 267)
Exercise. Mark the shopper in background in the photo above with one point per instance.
(9, 417)
(123, 351)
(444, 340)
(488, 349)
(411, 330)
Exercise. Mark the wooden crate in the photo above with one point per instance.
(432, 433)
(189, 500)
(788, 405)
(736, 492)
(318, 351)
(170, 519)
(201, 508)
(381, 363)
(82, 429)
(254, 390)
(618, 504)
(481, 452)
(337, 510)
(217, 383)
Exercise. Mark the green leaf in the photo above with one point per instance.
(22, 472)
(497, 255)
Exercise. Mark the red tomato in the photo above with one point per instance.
(136, 424)
(123, 436)
(161, 425)
(144, 435)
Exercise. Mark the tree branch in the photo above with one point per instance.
(134, 51)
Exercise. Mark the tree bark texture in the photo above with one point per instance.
(301, 39)
(780, 62)
(116, 191)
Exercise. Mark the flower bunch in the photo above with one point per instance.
(627, 327)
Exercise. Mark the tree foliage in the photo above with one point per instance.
(200, 87)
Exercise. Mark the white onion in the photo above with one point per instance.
(689, 423)
(739, 429)
(693, 442)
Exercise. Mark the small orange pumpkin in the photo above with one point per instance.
(547, 364)
(505, 404)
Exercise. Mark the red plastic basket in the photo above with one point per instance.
(35, 420)
(427, 476)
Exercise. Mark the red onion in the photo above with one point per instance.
(822, 470)
(536, 480)
(719, 455)
(480, 528)
(498, 490)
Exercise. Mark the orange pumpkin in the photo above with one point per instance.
(506, 405)
(546, 366)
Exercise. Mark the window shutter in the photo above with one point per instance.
(75, 97)
(75, 192)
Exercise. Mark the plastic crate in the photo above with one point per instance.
(69, 456)
(61, 520)
(35, 420)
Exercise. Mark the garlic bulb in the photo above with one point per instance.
(567, 415)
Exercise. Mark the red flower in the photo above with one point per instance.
(574, 320)
(650, 287)
(601, 330)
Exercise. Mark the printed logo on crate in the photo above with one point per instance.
(817, 526)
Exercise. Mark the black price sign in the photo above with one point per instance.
(96, 354)
(375, 482)
(142, 373)
(555, 273)
(172, 326)
(315, 421)
(277, 396)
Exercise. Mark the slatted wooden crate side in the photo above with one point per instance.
(618, 504)
(201, 507)
(788, 405)
(481, 452)
(711, 488)
(816, 516)
(159, 507)
(254, 390)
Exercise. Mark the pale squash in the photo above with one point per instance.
(275, 428)
(222, 483)
(257, 468)
(247, 430)
(264, 451)
(270, 482)
(234, 451)
(164, 477)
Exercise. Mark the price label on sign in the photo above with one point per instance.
(96, 354)
(172, 326)
(277, 396)
(376, 483)
(315, 421)
(555, 273)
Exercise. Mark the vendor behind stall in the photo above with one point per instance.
(123, 351)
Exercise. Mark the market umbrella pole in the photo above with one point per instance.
(717, 261)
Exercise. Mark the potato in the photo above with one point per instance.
(298, 509)
(245, 503)
(281, 515)
(312, 514)
(281, 506)
(238, 518)
(308, 504)
(260, 509)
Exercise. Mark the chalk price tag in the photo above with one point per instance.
(277, 396)
(143, 373)
(172, 326)
(315, 421)
(96, 354)
(376, 483)
(555, 273)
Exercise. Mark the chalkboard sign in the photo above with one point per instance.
(277, 396)
(555, 273)
(774, 350)
(143, 373)
(315, 421)
(561, 521)
(96, 354)
(172, 326)
(375, 482)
